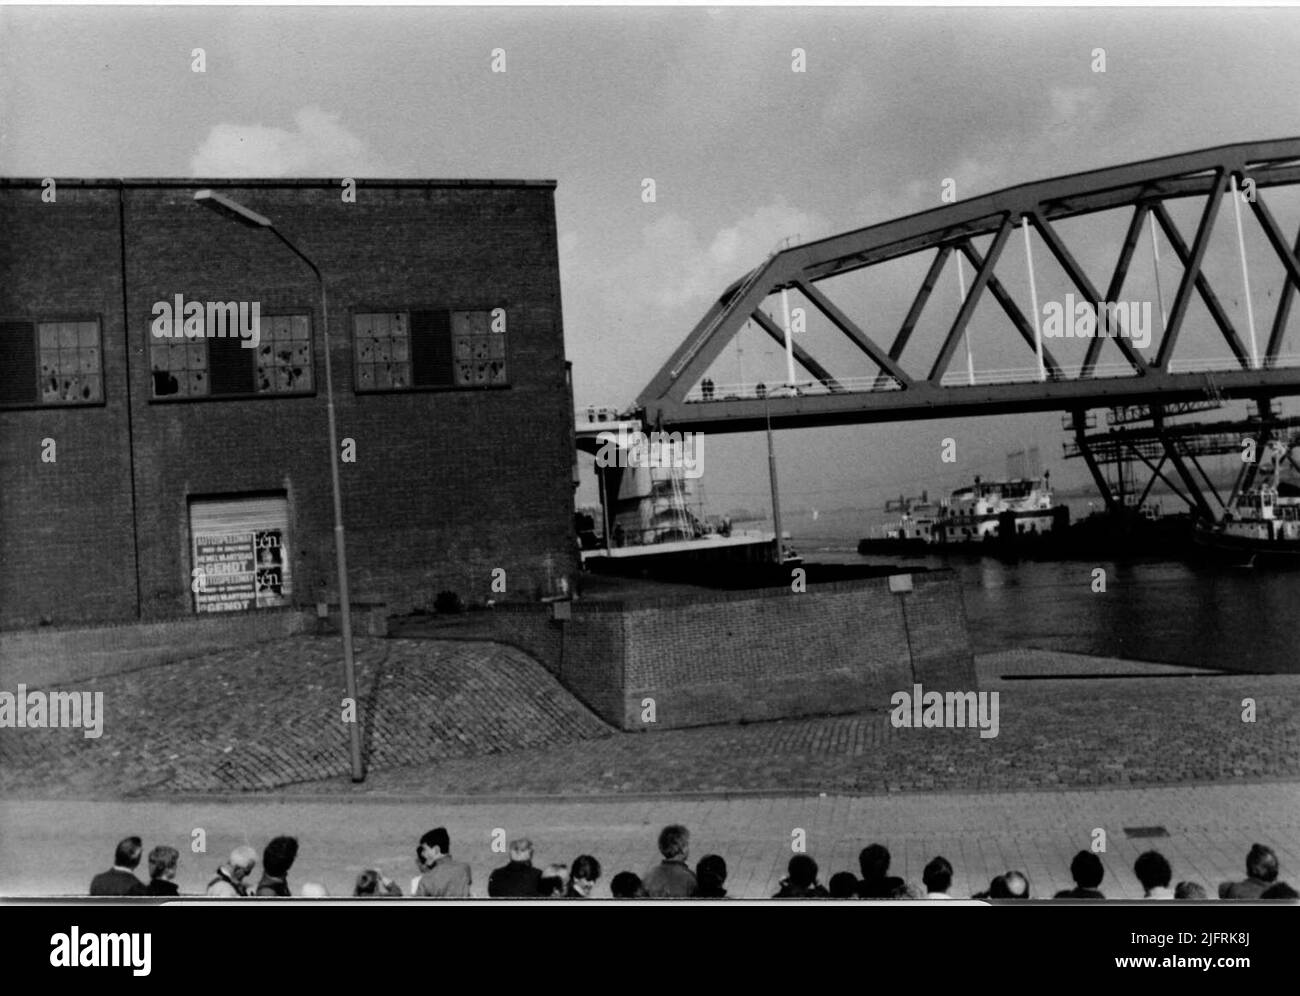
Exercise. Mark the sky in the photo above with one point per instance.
(743, 151)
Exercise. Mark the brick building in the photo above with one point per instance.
(131, 459)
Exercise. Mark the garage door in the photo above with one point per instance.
(240, 553)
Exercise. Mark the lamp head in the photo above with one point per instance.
(223, 205)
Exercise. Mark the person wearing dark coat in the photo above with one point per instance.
(876, 882)
(277, 859)
(120, 880)
(801, 882)
(1261, 873)
(517, 879)
(162, 869)
(1087, 872)
(583, 877)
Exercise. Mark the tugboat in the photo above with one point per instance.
(992, 510)
(1260, 520)
(1005, 512)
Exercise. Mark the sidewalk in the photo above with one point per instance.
(55, 847)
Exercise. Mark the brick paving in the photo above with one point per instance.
(54, 847)
(267, 716)
(457, 718)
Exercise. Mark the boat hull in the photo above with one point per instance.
(1237, 548)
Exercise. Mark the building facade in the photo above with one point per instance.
(164, 442)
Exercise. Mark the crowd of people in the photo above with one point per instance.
(671, 877)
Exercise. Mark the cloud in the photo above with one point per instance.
(972, 177)
(318, 145)
(676, 266)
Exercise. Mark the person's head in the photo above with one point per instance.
(278, 856)
(937, 876)
(1016, 884)
(675, 842)
(583, 874)
(367, 883)
(1279, 890)
(313, 890)
(1189, 890)
(802, 870)
(521, 850)
(554, 880)
(1261, 863)
(128, 852)
(710, 875)
(843, 885)
(626, 885)
(906, 891)
(434, 845)
(243, 860)
(997, 889)
(874, 862)
(1152, 870)
(162, 862)
(1086, 870)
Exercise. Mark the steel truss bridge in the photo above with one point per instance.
(1142, 433)
(680, 397)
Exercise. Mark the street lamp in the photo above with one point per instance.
(234, 210)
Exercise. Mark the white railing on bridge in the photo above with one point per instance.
(784, 389)
(1229, 363)
(957, 378)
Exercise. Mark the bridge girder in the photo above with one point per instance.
(894, 395)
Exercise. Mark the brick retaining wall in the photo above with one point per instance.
(752, 655)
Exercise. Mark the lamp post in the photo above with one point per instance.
(233, 209)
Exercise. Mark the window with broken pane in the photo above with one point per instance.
(480, 353)
(70, 361)
(383, 351)
(284, 355)
(179, 368)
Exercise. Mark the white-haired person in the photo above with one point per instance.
(231, 877)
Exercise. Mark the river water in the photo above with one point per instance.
(1170, 611)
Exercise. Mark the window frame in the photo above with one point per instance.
(255, 395)
(406, 310)
(37, 320)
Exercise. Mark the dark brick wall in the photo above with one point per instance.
(447, 485)
(66, 549)
(585, 652)
(730, 656)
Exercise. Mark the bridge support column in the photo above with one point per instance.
(1080, 436)
(1199, 505)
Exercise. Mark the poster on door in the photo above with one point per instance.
(268, 545)
(225, 578)
(241, 553)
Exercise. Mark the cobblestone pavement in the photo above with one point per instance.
(270, 715)
(54, 847)
(473, 719)
(1052, 734)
